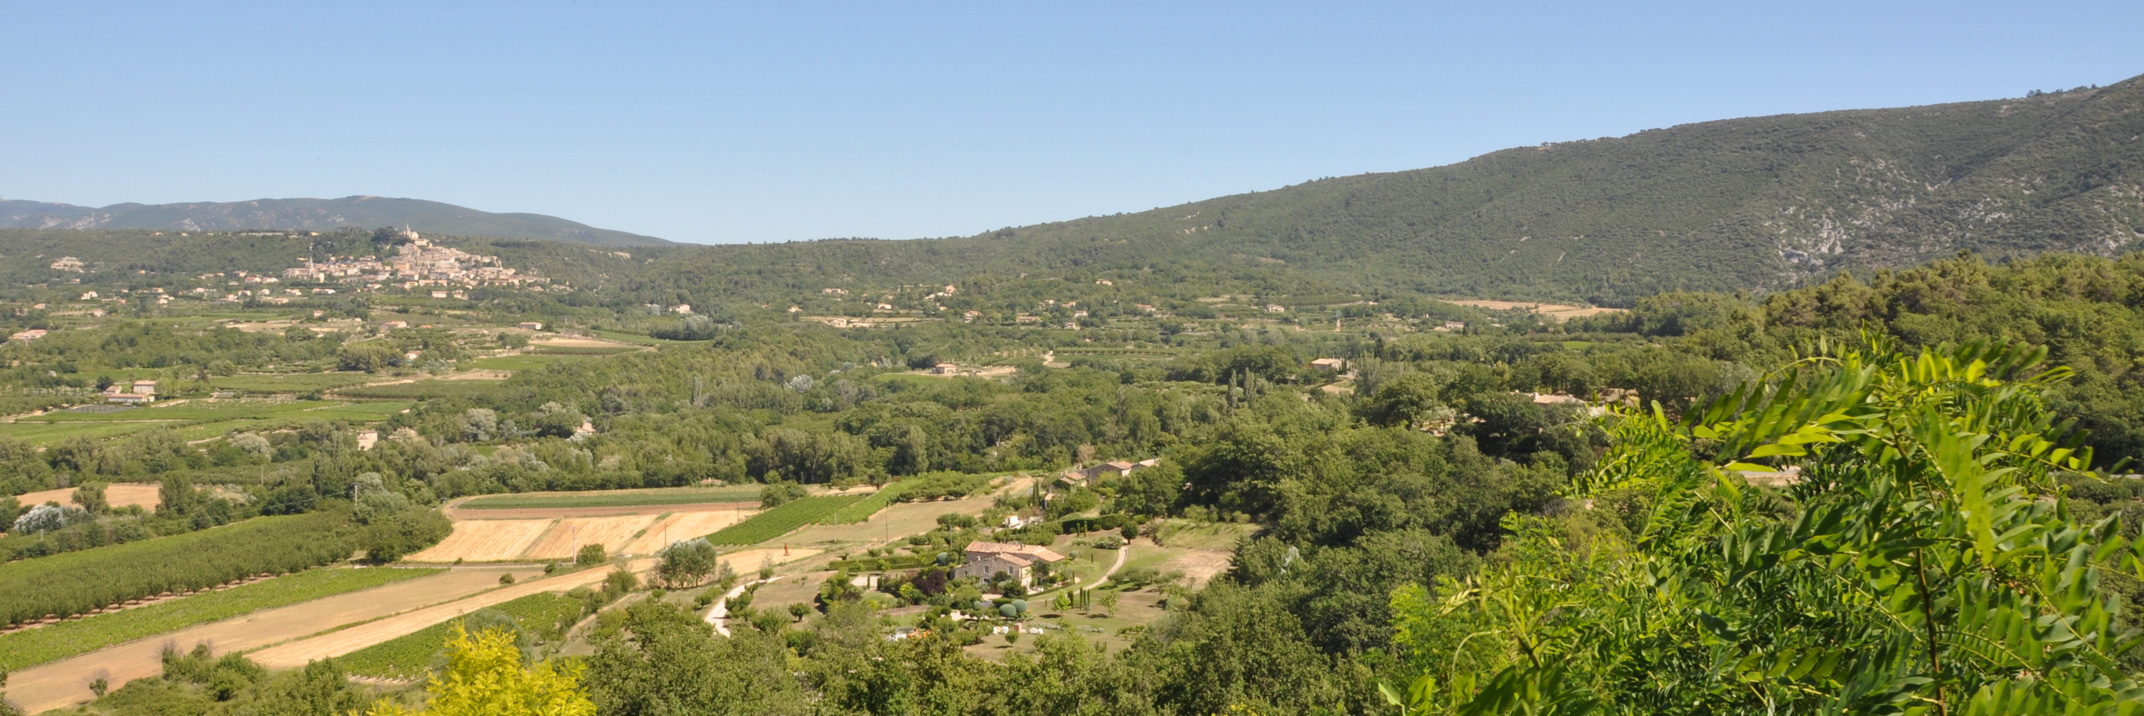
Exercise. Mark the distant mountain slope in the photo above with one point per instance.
(1761, 204)
(364, 211)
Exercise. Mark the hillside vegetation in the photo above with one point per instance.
(1756, 203)
(311, 214)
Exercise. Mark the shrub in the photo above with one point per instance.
(591, 554)
(688, 563)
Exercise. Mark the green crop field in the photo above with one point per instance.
(643, 340)
(189, 411)
(862, 510)
(687, 496)
(195, 420)
(520, 362)
(291, 383)
(424, 389)
(782, 520)
(53, 642)
(370, 410)
(36, 432)
(410, 655)
(581, 350)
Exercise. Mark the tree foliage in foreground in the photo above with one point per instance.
(1926, 563)
(484, 675)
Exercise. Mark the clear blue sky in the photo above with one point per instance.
(798, 120)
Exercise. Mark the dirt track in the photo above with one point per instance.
(66, 682)
(297, 653)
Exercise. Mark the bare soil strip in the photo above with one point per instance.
(343, 641)
(122, 494)
(66, 682)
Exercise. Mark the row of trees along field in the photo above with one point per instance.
(79, 582)
(381, 523)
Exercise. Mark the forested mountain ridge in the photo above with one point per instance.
(1762, 203)
(312, 214)
(1758, 204)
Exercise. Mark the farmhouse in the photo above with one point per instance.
(985, 560)
(1116, 468)
(945, 369)
(142, 391)
(530, 326)
(1329, 365)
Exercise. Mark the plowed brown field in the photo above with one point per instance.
(485, 541)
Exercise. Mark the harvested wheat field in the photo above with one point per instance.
(565, 538)
(1551, 310)
(485, 541)
(747, 562)
(125, 494)
(583, 342)
(685, 525)
(463, 513)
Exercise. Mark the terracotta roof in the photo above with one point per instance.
(1025, 550)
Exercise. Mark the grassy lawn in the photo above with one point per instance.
(411, 655)
(668, 496)
(65, 639)
(1096, 625)
(1185, 534)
